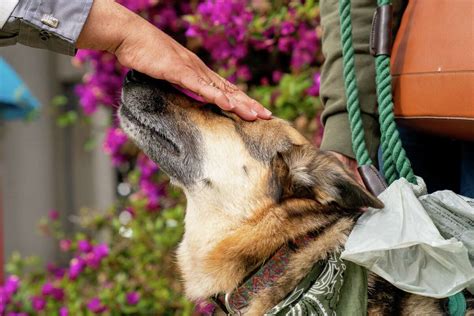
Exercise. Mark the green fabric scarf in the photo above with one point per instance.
(332, 287)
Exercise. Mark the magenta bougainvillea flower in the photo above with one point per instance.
(49, 290)
(76, 267)
(53, 215)
(96, 306)
(38, 303)
(132, 298)
(84, 246)
(12, 284)
(55, 271)
(151, 189)
(65, 245)
(63, 311)
(315, 87)
(114, 141)
(94, 258)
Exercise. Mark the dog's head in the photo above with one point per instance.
(230, 163)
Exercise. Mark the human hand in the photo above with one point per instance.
(351, 165)
(141, 46)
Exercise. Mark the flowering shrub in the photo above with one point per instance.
(132, 274)
(120, 261)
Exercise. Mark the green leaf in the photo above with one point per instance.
(67, 119)
(90, 144)
(59, 100)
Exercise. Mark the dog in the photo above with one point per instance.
(252, 189)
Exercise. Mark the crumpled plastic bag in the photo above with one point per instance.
(458, 222)
(401, 244)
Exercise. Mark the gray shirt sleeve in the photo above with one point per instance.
(48, 24)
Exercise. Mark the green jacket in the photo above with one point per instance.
(336, 125)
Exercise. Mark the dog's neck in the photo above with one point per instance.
(265, 276)
(217, 253)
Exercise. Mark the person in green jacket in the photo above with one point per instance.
(451, 162)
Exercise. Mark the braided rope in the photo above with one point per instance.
(395, 161)
(352, 92)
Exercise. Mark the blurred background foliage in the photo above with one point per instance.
(121, 261)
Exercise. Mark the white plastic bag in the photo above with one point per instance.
(401, 244)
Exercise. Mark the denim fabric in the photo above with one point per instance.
(444, 164)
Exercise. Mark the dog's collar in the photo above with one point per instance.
(263, 277)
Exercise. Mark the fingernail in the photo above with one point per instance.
(267, 112)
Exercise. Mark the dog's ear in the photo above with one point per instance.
(319, 175)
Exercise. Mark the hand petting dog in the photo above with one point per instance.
(141, 46)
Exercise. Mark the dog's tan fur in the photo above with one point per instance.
(263, 185)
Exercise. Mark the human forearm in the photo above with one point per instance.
(141, 46)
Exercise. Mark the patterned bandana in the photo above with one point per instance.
(317, 294)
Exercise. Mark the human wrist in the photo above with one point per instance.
(107, 26)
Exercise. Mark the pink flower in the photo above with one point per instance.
(65, 245)
(12, 285)
(38, 303)
(132, 298)
(63, 311)
(113, 144)
(58, 294)
(96, 306)
(49, 290)
(84, 246)
(287, 28)
(94, 258)
(58, 272)
(315, 87)
(53, 215)
(276, 76)
(285, 44)
(101, 251)
(76, 267)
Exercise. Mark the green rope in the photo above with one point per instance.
(457, 304)
(352, 93)
(395, 161)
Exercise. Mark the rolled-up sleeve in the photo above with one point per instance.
(48, 24)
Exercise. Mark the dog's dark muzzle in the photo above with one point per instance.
(134, 76)
(150, 116)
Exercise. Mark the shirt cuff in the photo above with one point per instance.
(54, 25)
(6, 9)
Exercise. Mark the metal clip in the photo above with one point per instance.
(230, 310)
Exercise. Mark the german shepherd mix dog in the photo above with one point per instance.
(252, 188)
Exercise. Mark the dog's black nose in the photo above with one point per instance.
(136, 76)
